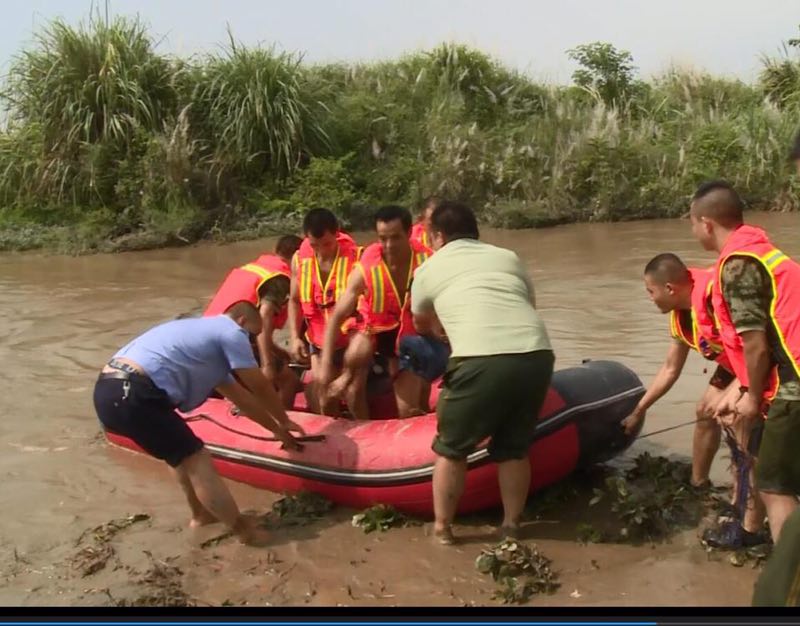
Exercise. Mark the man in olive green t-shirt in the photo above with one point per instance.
(500, 367)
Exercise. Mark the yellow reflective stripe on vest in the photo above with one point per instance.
(774, 258)
(305, 280)
(341, 276)
(378, 289)
(259, 271)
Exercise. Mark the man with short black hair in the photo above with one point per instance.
(756, 300)
(320, 270)
(378, 292)
(175, 366)
(501, 364)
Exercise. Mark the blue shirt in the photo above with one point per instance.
(187, 358)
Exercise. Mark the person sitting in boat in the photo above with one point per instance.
(319, 274)
(685, 293)
(378, 292)
(286, 247)
(175, 366)
(500, 368)
(420, 232)
(265, 284)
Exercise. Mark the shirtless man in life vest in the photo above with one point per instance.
(378, 291)
(320, 271)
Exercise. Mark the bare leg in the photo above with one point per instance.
(215, 498)
(288, 386)
(407, 393)
(356, 395)
(779, 507)
(200, 515)
(357, 357)
(514, 477)
(449, 476)
(707, 435)
(324, 403)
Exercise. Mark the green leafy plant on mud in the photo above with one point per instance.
(381, 517)
(521, 571)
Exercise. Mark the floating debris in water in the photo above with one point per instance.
(165, 588)
(91, 559)
(381, 517)
(520, 570)
(301, 508)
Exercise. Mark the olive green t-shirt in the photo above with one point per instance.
(483, 298)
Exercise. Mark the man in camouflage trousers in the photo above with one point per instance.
(755, 304)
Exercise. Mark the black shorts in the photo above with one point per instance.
(145, 414)
(721, 378)
(386, 343)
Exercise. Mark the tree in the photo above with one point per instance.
(604, 70)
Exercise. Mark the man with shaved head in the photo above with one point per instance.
(175, 366)
(685, 294)
(756, 300)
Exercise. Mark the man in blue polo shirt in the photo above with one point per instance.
(176, 366)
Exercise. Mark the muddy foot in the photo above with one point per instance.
(203, 519)
(250, 531)
(444, 536)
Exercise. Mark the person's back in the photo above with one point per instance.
(187, 358)
(500, 368)
(482, 297)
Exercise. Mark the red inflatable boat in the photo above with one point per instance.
(390, 461)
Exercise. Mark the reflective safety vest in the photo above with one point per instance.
(696, 327)
(243, 283)
(420, 235)
(783, 332)
(381, 309)
(317, 299)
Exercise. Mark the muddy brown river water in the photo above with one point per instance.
(62, 317)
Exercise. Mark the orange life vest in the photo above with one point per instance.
(317, 300)
(420, 235)
(380, 308)
(696, 327)
(783, 332)
(243, 283)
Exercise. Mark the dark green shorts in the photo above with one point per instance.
(496, 396)
(779, 582)
(778, 466)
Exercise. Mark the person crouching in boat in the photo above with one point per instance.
(500, 368)
(265, 284)
(685, 294)
(320, 270)
(420, 231)
(378, 292)
(175, 366)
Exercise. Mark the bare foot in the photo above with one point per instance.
(202, 519)
(509, 532)
(250, 532)
(444, 535)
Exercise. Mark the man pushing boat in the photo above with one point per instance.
(501, 364)
(175, 366)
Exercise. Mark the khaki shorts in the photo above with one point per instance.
(496, 396)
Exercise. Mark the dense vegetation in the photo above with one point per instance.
(108, 143)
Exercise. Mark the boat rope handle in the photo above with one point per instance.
(205, 416)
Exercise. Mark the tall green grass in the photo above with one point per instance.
(106, 134)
